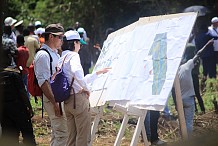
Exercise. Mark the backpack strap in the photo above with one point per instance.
(63, 61)
(71, 87)
(51, 60)
(215, 31)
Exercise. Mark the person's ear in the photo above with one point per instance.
(50, 35)
(74, 43)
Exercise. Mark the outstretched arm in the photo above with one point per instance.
(198, 54)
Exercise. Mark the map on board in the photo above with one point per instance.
(158, 52)
(144, 57)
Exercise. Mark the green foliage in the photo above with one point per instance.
(37, 107)
(210, 94)
(94, 15)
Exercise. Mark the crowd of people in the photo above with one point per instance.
(69, 49)
(20, 48)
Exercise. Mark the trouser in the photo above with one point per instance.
(25, 81)
(78, 120)
(209, 66)
(189, 110)
(197, 92)
(216, 56)
(16, 119)
(151, 125)
(58, 125)
(147, 125)
(154, 116)
(86, 67)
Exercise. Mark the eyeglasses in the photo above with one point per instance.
(59, 36)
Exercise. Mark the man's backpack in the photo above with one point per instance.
(60, 86)
(33, 86)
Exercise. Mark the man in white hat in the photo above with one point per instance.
(213, 30)
(38, 24)
(84, 52)
(39, 32)
(9, 21)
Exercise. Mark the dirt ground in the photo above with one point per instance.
(206, 124)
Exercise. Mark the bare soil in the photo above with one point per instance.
(206, 124)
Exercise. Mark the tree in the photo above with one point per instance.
(96, 15)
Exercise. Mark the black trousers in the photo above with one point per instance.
(154, 116)
(197, 92)
(16, 119)
(86, 67)
(209, 66)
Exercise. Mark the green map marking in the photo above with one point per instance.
(159, 56)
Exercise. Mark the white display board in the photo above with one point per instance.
(144, 58)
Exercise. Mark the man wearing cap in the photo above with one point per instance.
(9, 21)
(213, 30)
(38, 24)
(39, 32)
(53, 40)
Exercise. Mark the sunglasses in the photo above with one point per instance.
(59, 36)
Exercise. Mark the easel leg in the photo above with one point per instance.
(98, 112)
(180, 108)
(121, 131)
(144, 135)
(140, 127)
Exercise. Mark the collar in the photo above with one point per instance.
(48, 48)
(68, 51)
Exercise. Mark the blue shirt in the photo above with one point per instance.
(42, 64)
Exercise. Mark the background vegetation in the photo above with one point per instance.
(96, 15)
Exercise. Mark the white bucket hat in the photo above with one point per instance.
(9, 21)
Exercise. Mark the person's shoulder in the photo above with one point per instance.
(210, 28)
(73, 56)
(41, 53)
(7, 40)
(12, 70)
(23, 49)
(31, 38)
(190, 62)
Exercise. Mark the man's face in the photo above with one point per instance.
(57, 40)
